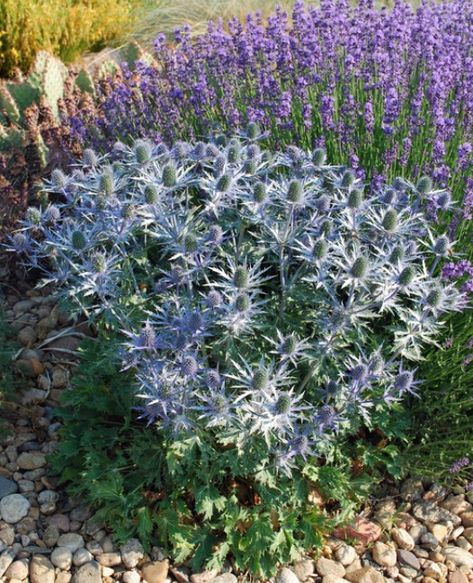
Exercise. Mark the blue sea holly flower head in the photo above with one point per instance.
(264, 299)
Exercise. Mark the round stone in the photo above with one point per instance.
(13, 508)
(329, 567)
(131, 577)
(18, 570)
(132, 553)
(71, 541)
(62, 557)
(403, 539)
(41, 570)
(88, 573)
(346, 554)
(286, 575)
(81, 557)
(384, 555)
(31, 460)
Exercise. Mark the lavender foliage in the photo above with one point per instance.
(387, 92)
(263, 297)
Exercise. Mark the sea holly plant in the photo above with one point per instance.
(269, 305)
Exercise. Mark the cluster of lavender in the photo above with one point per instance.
(263, 296)
(459, 466)
(389, 92)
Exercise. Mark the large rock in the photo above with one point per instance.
(88, 573)
(41, 570)
(363, 530)
(304, 569)
(459, 556)
(456, 504)
(31, 460)
(13, 508)
(384, 555)
(17, 570)
(365, 575)
(7, 487)
(328, 567)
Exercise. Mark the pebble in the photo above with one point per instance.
(62, 557)
(109, 559)
(131, 577)
(457, 577)
(439, 531)
(429, 512)
(365, 575)
(329, 567)
(384, 554)
(82, 556)
(31, 460)
(7, 535)
(230, 578)
(41, 570)
(403, 539)
(63, 577)
(132, 553)
(17, 570)
(7, 487)
(6, 559)
(345, 554)
(467, 518)
(88, 573)
(458, 556)
(408, 559)
(13, 508)
(304, 569)
(429, 541)
(155, 571)
(456, 504)
(71, 540)
(204, 576)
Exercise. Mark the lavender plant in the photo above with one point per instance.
(267, 300)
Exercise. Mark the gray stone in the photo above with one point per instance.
(285, 575)
(456, 504)
(62, 557)
(408, 559)
(132, 553)
(31, 460)
(7, 487)
(47, 496)
(88, 573)
(81, 557)
(428, 541)
(71, 540)
(50, 536)
(412, 489)
(427, 512)
(13, 508)
(458, 556)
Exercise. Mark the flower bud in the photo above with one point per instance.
(151, 194)
(214, 299)
(224, 183)
(252, 130)
(89, 157)
(359, 268)
(142, 152)
(219, 165)
(348, 179)
(355, 198)
(283, 404)
(78, 240)
(259, 192)
(106, 183)
(58, 179)
(397, 255)
(441, 246)
(214, 380)
(424, 185)
(320, 249)
(189, 366)
(190, 243)
(241, 277)
(33, 215)
(242, 302)
(233, 154)
(407, 276)
(322, 204)
(250, 167)
(260, 380)
(215, 234)
(390, 221)
(318, 157)
(295, 191)
(169, 176)
(434, 297)
(288, 345)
